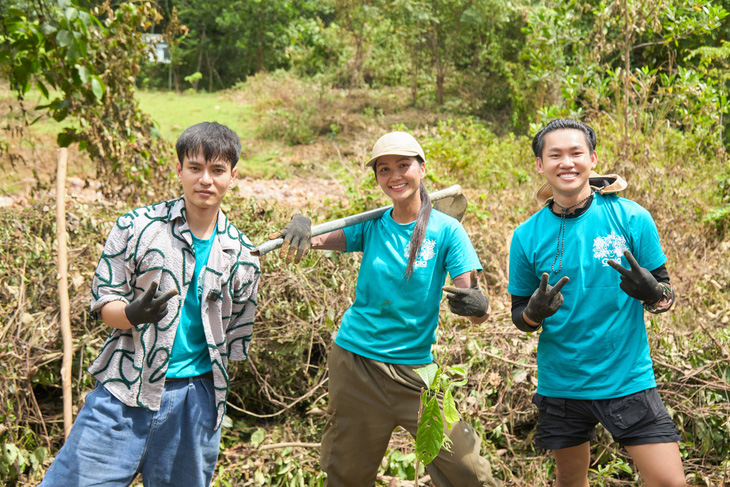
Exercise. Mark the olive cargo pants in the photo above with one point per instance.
(368, 400)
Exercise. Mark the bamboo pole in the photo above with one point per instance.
(61, 159)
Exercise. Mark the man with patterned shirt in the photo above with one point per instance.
(568, 278)
(162, 376)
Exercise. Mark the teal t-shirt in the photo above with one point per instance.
(595, 346)
(394, 320)
(189, 356)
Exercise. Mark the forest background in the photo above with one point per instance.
(309, 85)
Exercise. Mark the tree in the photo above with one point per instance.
(227, 41)
(625, 58)
(84, 63)
(467, 43)
(357, 18)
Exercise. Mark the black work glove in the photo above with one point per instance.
(467, 301)
(297, 235)
(546, 300)
(150, 306)
(637, 281)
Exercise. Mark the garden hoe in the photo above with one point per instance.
(449, 200)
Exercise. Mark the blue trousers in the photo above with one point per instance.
(110, 442)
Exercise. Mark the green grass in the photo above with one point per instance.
(174, 112)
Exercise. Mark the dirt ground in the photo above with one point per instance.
(294, 193)
(28, 167)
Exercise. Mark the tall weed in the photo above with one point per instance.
(289, 108)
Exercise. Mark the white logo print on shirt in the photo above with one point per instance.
(425, 253)
(609, 247)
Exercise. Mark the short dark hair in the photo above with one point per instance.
(216, 141)
(538, 142)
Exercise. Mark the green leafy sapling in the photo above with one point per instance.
(431, 437)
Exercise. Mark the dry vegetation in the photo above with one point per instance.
(278, 396)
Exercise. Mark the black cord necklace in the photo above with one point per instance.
(561, 233)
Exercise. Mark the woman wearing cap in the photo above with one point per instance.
(389, 329)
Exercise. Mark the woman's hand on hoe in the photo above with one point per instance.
(297, 235)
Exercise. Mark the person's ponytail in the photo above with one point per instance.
(419, 231)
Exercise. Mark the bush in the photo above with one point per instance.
(719, 216)
(466, 149)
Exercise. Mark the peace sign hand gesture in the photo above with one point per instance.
(637, 281)
(546, 300)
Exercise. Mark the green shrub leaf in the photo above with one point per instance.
(83, 73)
(258, 437)
(430, 434)
(97, 87)
(64, 38)
(428, 373)
(451, 414)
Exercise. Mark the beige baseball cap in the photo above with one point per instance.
(397, 143)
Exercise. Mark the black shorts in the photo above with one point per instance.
(636, 419)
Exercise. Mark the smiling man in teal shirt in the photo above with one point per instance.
(568, 278)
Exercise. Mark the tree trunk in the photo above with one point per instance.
(414, 76)
(357, 61)
(259, 37)
(356, 79)
(626, 81)
(439, 65)
(201, 52)
(210, 72)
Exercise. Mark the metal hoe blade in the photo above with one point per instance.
(454, 206)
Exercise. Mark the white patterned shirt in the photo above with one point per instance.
(154, 243)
